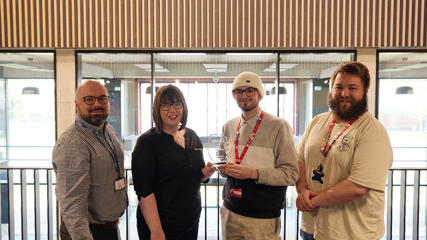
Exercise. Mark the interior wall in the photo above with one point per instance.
(65, 89)
(368, 56)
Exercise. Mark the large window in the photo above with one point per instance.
(27, 107)
(304, 85)
(402, 105)
(121, 73)
(296, 87)
(206, 82)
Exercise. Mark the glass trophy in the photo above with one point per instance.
(217, 149)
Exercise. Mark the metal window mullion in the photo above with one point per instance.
(217, 205)
(389, 205)
(153, 91)
(49, 205)
(416, 205)
(24, 215)
(207, 109)
(216, 107)
(6, 116)
(37, 233)
(402, 224)
(1, 187)
(11, 206)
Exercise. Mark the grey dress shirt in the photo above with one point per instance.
(85, 175)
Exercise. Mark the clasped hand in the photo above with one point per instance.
(303, 202)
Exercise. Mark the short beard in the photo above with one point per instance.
(247, 109)
(95, 121)
(355, 110)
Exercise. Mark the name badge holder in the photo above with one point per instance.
(119, 184)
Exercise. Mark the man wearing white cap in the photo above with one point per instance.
(261, 162)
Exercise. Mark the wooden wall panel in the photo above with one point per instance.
(218, 24)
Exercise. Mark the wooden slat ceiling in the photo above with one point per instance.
(212, 24)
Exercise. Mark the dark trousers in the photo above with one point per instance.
(185, 234)
(100, 232)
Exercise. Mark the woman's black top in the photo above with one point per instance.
(172, 173)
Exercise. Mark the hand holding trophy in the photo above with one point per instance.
(219, 144)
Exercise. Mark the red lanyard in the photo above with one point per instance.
(236, 141)
(323, 148)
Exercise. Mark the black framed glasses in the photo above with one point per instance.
(90, 100)
(167, 106)
(249, 91)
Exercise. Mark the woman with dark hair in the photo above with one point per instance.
(167, 168)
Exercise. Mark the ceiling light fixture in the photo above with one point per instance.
(147, 67)
(212, 68)
(283, 67)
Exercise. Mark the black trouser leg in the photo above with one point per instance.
(100, 232)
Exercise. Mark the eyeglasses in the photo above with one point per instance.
(167, 106)
(90, 100)
(249, 91)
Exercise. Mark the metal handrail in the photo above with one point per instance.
(22, 226)
(128, 168)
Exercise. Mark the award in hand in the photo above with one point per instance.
(219, 144)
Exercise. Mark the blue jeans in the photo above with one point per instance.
(305, 235)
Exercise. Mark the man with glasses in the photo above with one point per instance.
(261, 162)
(88, 161)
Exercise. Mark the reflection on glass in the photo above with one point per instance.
(27, 107)
(3, 117)
(296, 87)
(402, 105)
(305, 77)
(206, 81)
(126, 77)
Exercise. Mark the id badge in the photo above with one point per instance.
(119, 184)
(236, 192)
